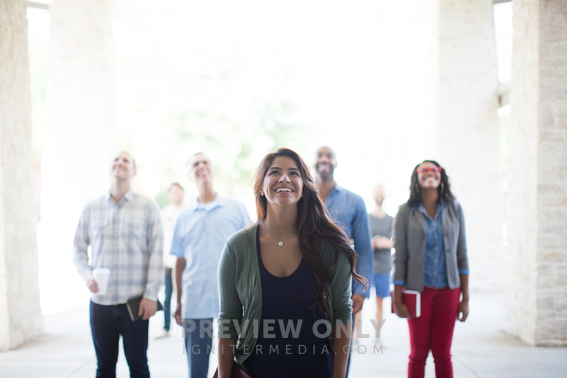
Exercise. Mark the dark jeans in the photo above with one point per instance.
(167, 302)
(198, 345)
(107, 324)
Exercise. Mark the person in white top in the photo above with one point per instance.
(169, 217)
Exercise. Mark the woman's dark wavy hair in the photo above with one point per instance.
(444, 189)
(314, 225)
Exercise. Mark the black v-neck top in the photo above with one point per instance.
(288, 301)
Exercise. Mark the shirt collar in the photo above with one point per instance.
(440, 207)
(334, 192)
(128, 196)
(337, 188)
(217, 202)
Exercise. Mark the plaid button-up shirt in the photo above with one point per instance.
(126, 238)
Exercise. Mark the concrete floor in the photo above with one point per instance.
(480, 349)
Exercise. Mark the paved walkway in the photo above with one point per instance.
(480, 349)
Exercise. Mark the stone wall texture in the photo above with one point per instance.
(467, 136)
(536, 263)
(20, 315)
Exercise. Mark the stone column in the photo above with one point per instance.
(77, 145)
(536, 262)
(20, 316)
(465, 136)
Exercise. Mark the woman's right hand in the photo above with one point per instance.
(402, 310)
(225, 349)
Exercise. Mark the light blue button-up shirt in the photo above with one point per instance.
(200, 233)
(349, 211)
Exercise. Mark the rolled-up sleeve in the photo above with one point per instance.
(399, 237)
(341, 290)
(176, 247)
(155, 253)
(81, 245)
(230, 305)
(362, 245)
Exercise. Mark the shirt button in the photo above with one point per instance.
(435, 236)
(434, 272)
(436, 248)
(435, 260)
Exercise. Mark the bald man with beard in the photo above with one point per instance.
(348, 210)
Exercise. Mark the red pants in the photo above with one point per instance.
(433, 330)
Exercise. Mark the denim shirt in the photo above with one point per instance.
(435, 275)
(348, 210)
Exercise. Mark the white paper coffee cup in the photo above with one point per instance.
(101, 276)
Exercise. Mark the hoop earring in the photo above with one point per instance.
(442, 188)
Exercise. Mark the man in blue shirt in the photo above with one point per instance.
(349, 211)
(200, 233)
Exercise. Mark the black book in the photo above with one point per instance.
(133, 306)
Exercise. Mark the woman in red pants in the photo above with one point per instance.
(431, 257)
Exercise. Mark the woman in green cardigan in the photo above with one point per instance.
(285, 282)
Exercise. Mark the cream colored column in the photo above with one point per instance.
(465, 134)
(20, 315)
(77, 136)
(536, 262)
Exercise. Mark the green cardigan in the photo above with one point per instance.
(240, 290)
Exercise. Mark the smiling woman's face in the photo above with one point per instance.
(429, 175)
(282, 184)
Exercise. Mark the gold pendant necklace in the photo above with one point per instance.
(280, 242)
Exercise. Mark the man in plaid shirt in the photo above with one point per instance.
(125, 234)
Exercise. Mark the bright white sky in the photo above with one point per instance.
(354, 71)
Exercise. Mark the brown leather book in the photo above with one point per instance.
(133, 305)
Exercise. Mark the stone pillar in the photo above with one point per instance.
(77, 145)
(20, 316)
(536, 262)
(465, 135)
